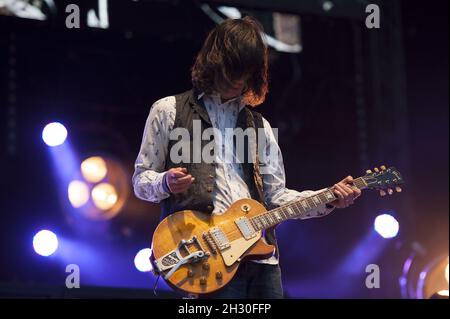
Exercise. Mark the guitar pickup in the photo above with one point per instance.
(245, 227)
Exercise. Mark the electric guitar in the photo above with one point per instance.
(198, 253)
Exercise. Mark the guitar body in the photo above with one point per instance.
(215, 271)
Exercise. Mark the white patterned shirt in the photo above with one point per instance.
(148, 177)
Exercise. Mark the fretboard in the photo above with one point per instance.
(298, 209)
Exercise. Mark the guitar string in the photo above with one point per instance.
(279, 209)
(358, 182)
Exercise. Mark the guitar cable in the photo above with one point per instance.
(155, 286)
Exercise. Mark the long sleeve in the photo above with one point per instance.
(274, 178)
(148, 178)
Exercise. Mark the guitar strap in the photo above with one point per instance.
(256, 171)
(270, 233)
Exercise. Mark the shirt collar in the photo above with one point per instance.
(216, 98)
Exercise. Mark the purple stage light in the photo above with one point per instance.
(45, 243)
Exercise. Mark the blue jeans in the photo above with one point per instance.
(253, 281)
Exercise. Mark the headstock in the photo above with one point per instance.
(384, 179)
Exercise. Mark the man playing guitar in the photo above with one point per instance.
(229, 78)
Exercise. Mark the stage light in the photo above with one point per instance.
(104, 196)
(142, 260)
(45, 243)
(327, 5)
(425, 274)
(94, 169)
(386, 225)
(433, 279)
(54, 134)
(78, 193)
(107, 184)
(24, 9)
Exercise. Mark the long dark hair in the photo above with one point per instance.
(233, 50)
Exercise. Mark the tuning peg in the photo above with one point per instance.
(368, 171)
(382, 193)
(390, 191)
(398, 189)
(383, 168)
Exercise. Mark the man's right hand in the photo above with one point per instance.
(178, 180)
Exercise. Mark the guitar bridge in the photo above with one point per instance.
(219, 238)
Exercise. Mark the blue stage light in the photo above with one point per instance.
(142, 260)
(54, 134)
(45, 243)
(386, 225)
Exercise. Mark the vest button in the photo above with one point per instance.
(210, 207)
(209, 189)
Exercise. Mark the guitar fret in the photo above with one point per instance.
(277, 215)
(264, 220)
(326, 199)
(252, 222)
(300, 209)
(273, 218)
(269, 215)
(305, 205)
(269, 219)
(295, 208)
(258, 222)
(323, 197)
(319, 198)
(282, 213)
(316, 200)
(329, 195)
(285, 213)
(290, 211)
(261, 221)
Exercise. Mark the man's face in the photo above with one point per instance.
(235, 90)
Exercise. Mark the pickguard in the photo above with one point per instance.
(237, 248)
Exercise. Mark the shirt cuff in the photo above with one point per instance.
(164, 184)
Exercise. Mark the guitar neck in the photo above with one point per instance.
(298, 209)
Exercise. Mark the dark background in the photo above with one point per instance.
(353, 99)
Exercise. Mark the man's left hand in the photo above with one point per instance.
(346, 193)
